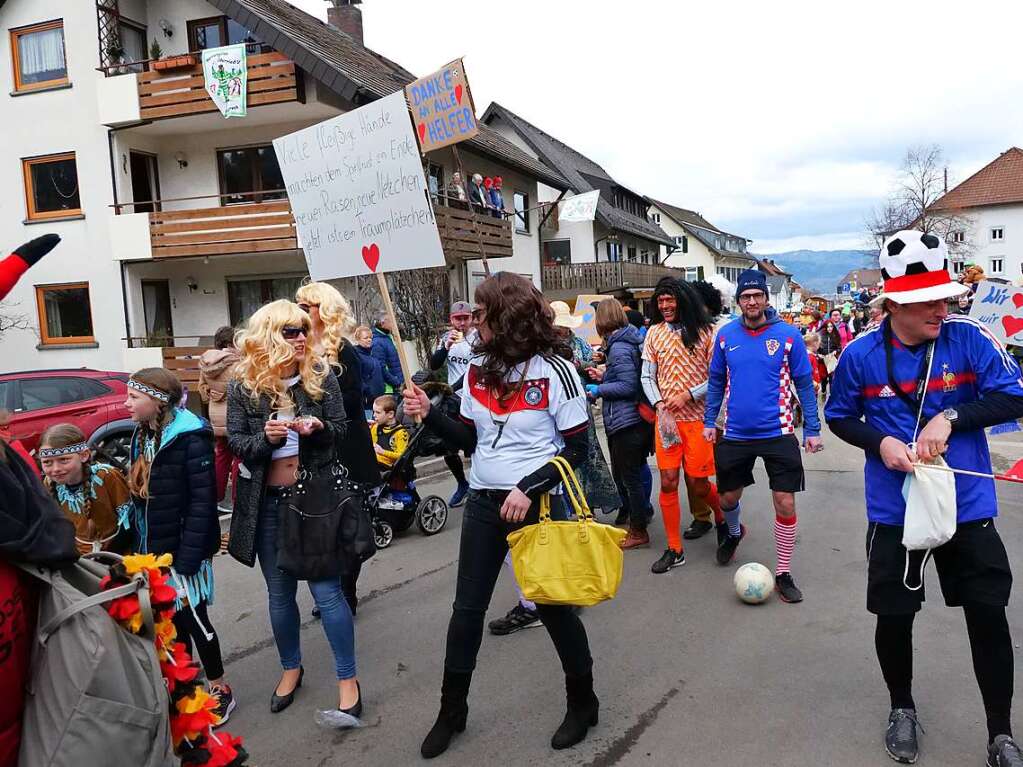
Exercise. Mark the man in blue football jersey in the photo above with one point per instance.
(940, 379)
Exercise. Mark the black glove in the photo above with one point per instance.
(35, 249)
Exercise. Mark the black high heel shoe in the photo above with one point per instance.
(355, 710)
(280, 702)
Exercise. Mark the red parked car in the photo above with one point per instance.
(93, 400)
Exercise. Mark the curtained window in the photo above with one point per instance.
(38, 56)
(65, 314)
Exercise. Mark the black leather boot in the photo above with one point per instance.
(454, 709)
(583, 707)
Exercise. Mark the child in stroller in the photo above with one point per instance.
(396, 503)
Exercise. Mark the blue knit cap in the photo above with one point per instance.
(751, 279)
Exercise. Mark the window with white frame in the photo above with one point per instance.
(958, 237)
(957, 266)
(996, 263)
(997, 233)
(692, 273)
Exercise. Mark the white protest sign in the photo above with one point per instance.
(357, 191)
(581, 207)
(999, 308)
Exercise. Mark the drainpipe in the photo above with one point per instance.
(124, 286)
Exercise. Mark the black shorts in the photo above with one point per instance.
(972, 567)
(734, 459)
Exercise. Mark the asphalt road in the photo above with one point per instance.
(686, 674)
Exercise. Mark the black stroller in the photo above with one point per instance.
(396, 503)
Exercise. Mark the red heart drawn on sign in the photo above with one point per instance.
(1017, 300)
(371, 255)
(422, 131)
(1012, 325)
(458, 93)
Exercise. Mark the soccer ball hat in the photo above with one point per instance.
(914, 266)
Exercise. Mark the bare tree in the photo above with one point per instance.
(420, 298)
(10, 319)
(916, 203)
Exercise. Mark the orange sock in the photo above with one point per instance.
(672, 517)
(715, 504)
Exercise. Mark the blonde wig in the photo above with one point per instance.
(335, 314)
(266, 356)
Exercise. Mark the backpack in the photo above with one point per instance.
(94, 690)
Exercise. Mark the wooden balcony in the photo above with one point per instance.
(462, 232)
(162, 94)
(255, 227)
(603, 277)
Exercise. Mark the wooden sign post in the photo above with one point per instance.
(359, 197)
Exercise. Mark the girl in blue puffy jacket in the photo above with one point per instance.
(173, 487)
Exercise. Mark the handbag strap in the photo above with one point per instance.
(922, 389)
(572, 487)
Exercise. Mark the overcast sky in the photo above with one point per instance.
(783, 122)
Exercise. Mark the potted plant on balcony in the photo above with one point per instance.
(177, 61)
(115, 55)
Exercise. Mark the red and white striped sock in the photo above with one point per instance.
(784, 542)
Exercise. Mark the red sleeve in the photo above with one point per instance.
(11, 269)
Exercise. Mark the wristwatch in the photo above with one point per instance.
(951, 414)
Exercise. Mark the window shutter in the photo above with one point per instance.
(699, 273)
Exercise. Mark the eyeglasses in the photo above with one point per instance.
(291, 332)
(306, 307)
(749, 298)
(478, 314)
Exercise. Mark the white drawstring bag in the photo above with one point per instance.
(930, 495)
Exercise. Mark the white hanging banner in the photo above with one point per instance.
(582, 207)
(226, 75)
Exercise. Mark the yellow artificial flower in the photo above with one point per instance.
(136, 563)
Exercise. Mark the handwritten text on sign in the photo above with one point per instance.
(356, 187)
(442, 107)
(1000, 309)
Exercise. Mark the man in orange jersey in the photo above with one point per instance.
(676, 360)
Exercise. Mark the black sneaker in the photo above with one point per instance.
(518, 618)
(225, 702)
(1004, 752)
(726, 550)
(622, 518)
(788, 591)
(667, 561)
(698, 529)
(900, 737)
(721, 528)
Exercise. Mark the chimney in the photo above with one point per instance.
(346, 16)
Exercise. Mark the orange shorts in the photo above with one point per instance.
(695, 455)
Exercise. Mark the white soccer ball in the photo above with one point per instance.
(753, 583)
(912, 252)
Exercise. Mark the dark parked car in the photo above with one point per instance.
(93, 400)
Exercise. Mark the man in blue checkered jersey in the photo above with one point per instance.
(967, 382)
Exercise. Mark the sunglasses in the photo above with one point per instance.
(478, 314)
(306, 307)
(291, 332)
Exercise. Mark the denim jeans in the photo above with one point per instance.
(284, 617)
(628, 449)
(481, 551)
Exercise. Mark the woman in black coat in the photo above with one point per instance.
(332, 321)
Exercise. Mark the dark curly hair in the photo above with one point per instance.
(521, 325)
(711, 297)
(691, 313)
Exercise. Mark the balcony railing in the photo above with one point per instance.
(603, 276)
(162, 94)
(462, 232)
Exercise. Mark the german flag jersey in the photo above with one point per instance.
(519, 426)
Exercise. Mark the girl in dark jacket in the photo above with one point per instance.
(628, 435)
(332, 321)
(284, 408)
(173, 488)
(373, 384)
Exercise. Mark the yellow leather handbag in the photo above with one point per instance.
(575, 562)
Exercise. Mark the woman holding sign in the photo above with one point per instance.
(284, 409)
(523, 404)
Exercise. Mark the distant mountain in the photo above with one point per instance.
(820, 270)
